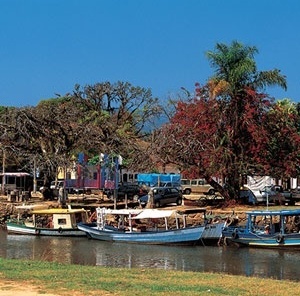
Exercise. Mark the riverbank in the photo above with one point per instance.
(29, 278)
(235, 213)
(8, 209)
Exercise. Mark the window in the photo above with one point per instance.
(202, 182)
(185, 182)
(62, 221)
(125, 177)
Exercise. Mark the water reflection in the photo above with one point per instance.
(250, 262)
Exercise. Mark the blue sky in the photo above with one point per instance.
(47, 46)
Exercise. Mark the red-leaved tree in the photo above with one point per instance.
(225, 130)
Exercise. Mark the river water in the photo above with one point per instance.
(262, 263)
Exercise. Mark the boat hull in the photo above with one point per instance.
(278, 229)
(238, 237)
(14, 228)
(212, 233)
(189, 235)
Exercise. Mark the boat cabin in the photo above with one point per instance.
(266, 222)
(56, 218)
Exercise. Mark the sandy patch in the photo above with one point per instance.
(11, 288)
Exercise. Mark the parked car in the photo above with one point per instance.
(169, 184)
(199, 186)
(296, 194)
(163, 196)
(133, 191)
(282, 196)
(56, 184)
(270, 193)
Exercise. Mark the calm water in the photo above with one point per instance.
(238, 261)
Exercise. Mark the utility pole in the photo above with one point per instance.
(3, 171)
(34, 175)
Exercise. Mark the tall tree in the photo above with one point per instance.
(236, 68)
(105, 117)
(284, 144)
(119, 117)
(45, 135)
(222, 131)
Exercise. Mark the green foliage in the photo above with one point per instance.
(52, 102)
(235, 65)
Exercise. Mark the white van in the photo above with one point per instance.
(196, 186)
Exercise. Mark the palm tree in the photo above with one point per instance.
(235, 69)
(236, 84)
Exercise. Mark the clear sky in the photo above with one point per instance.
(48, 46)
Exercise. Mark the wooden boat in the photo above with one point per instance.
(267, 229)
(147, 226)
(47, 222)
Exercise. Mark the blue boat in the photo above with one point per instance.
(144, 226)
(266, 229)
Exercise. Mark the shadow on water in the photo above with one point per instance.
(263, 263)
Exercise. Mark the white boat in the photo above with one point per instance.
(47, 222)
(147, 226)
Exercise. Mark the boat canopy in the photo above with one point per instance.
(57, 211)
(139, 213)
(125, 212)
(152, 213)
(275, 213)
(31, 207)
(17, 174)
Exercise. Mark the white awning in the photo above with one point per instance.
(126, 212)
(15, 174)
(31, 207)
(152, 213)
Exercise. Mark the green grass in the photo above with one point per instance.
(63, 279)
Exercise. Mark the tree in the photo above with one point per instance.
(119, 117)
(6, 138)
(44, 136)
(105, 117)
(222, 132)
(284, 144)
(235, 69)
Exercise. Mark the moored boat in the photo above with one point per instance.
(47, 222)
(147, 226)
(266, 229)
(213, 224)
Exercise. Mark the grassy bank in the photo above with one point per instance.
(61, 279)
